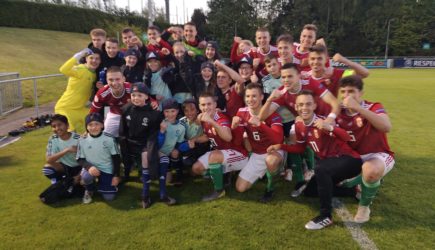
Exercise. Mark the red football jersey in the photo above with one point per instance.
(325, 144)
(299, 56)
(333, 82)
(105, 97)
(288, 100)
(270, 132)
(234, 102)
(365, 138)
(256, 52)
(158, 49)
(216, 141)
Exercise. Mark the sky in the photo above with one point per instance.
(189, 6)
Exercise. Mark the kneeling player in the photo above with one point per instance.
(367, 123)
(228, 154)
(98, 153)
(260, 135)
(337, 160)
(61, 151)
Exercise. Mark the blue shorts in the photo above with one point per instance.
(105, 184)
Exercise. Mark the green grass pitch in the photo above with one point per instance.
(403, 213)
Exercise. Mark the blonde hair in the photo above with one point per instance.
(98, 32)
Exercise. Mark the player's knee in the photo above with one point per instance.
(272, 162)
(197, 168)
(109, 197)
(241, 185)
(49, 172)
(175, 154)
(216, 156)
(86, 177)
(372, 172)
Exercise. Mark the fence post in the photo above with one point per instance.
(1, 104)
(20, 95)
(35, 93)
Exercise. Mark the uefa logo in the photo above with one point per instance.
(408, 63)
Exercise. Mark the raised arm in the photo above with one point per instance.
(358, 68)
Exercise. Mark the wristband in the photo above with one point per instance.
(332, 115)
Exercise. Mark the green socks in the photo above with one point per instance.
(368, 192)
(309, 157)
(217, 175)
(296, 166)
(353, 182)
(269, 185)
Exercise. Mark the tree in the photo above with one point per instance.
(200, 19)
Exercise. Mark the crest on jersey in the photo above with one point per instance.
(316, 133)
(359, 122)
(145, 122)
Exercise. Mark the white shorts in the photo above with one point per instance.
(256, 167)
(111, 124)
(233, 160)
(387, 159)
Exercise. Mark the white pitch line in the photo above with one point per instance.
(9, 142)
(358, 234)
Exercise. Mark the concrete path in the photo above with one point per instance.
(16, 119)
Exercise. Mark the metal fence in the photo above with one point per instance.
(11, 97)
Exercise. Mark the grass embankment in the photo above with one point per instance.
(32, 52)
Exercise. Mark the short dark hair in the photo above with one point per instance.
(306, 92)
(290, 66)
(154, 27)
(112, 40)
(126, 30)
(190, 23)
(59, 117)
(207, 95)
(312, 27)
(96, 51)
(262, 29)
(114, 69)
(285, 38)
(189, 101)
(253, 85)
(318, 48)
(352, 81)
(269, 58)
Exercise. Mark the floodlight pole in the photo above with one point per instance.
(388, 38)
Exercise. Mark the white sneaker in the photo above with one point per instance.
(363, 214)
(318, 222)
(288, 176)
(308, 175)
(87, 198)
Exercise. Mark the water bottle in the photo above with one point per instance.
(102, 76)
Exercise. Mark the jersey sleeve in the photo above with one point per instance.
(68, 68)
(114, 149)
(378, 108)
(51, 148)
(280, 101)
(80, 150)
(224, 122)
(97, 103)
(182, 134)
(319, 89)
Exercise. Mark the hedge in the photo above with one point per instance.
(48, 16)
